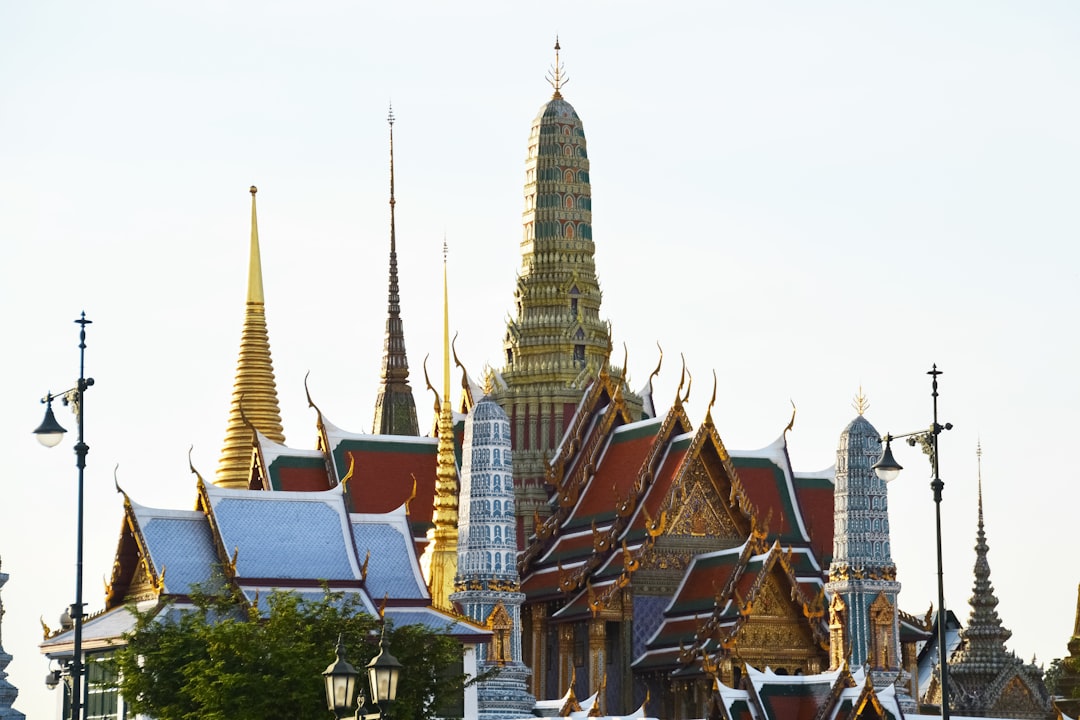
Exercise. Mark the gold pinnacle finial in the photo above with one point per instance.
(255, 284)
(861, 404)
(390, 115)
(557, 74)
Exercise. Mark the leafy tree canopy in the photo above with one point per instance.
(223, 661)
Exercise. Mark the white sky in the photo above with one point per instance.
(801, 197)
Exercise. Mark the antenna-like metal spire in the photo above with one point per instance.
(557, 76)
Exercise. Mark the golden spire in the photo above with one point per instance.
(254, 396)
(445, 534)
(557, 74)
(861, 404)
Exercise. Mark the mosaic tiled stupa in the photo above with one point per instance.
(862, 576)
(488, 590)
(556, 343)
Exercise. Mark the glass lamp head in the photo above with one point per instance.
(49, 432)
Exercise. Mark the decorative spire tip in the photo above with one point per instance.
(254, 189)
(390, 116)
(861, 404)
(557, 74)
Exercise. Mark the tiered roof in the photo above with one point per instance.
(631, 497)
(260, 542)
(722, 592)
(823, 696)
(379, 472)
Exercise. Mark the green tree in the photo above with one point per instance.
(224, 661)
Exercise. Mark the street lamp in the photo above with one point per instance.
(341, 690)
(340, 679)
(49, 434)
(887, 469)
(383, 672)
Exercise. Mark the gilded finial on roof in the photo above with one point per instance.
(791, 423)
(712, 400)
(412, 495)
(861, 404)
(349, 474)
(556, 76)
(427, 381)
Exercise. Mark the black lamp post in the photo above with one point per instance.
(887, 469)
(342, 693)
(50, 433)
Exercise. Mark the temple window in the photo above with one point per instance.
(579, 356)
(569, 176)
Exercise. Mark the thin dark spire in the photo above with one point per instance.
(395, 409)
(983, 652)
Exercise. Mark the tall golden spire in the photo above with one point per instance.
(445, 540)
(395, 408)
(254, 396)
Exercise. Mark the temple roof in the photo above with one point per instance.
(260, 542)
(720, 590)
(824, 696)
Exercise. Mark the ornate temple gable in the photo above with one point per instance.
(773, 617)
(868, 706)
(708, 480)
(133, 576)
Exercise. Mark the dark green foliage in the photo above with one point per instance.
(223, 662)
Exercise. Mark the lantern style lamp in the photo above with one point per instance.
(340, 679)
(383, 673)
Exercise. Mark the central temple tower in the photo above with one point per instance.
(555, 342)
